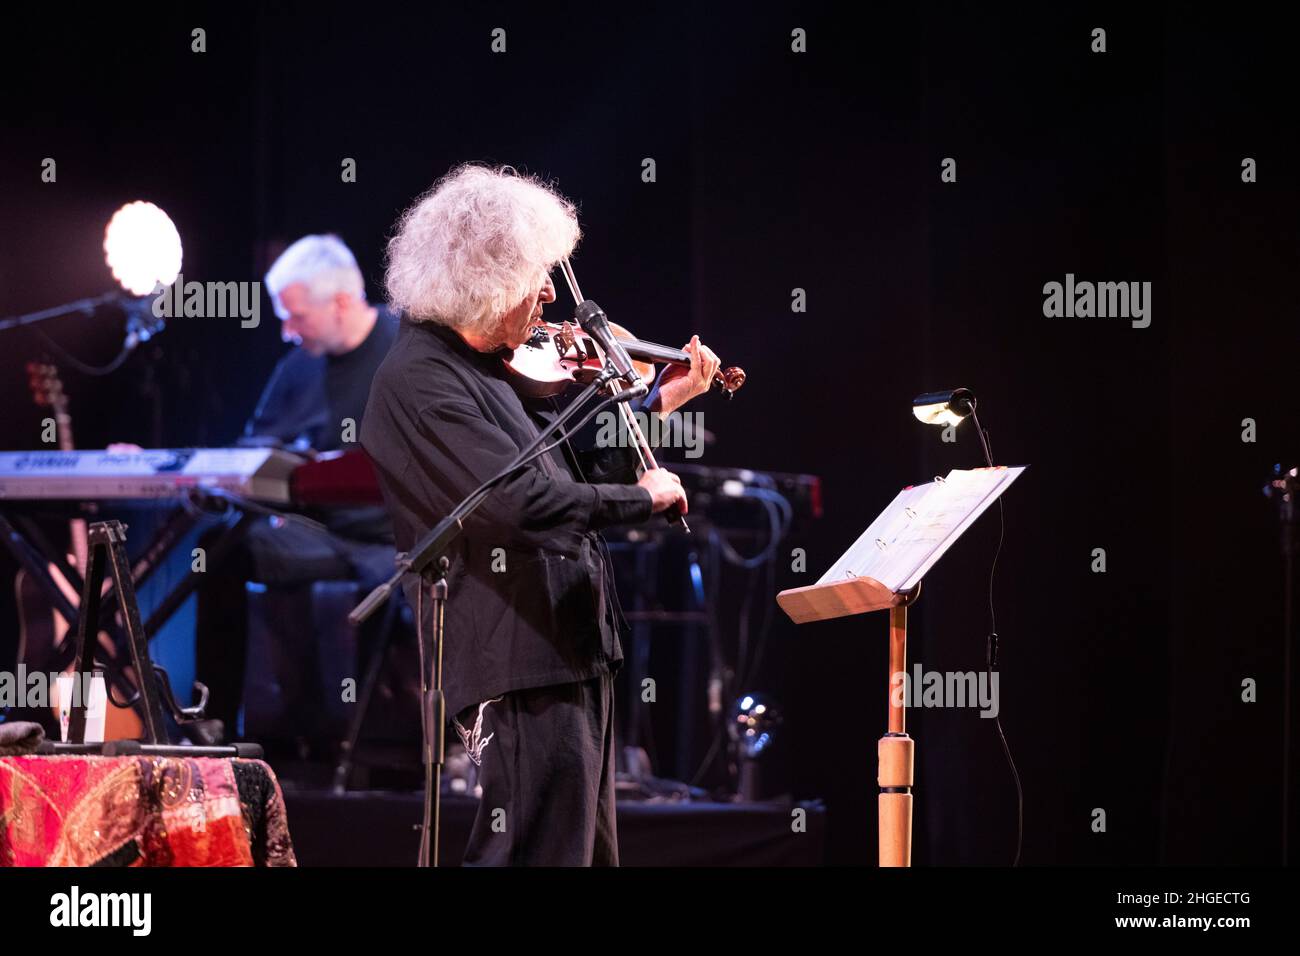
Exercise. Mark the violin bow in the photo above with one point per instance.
(644, 455)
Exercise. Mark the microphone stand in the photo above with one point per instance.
(428, 559)
(141, 325)
(86, 306)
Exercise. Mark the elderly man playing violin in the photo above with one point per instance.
(531, 628)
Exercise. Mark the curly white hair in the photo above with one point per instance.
(476, 245)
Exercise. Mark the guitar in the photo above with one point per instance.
(41, 629)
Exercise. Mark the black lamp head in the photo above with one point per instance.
(948, 407)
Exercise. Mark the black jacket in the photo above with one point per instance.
(441, 419)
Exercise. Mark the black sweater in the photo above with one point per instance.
(528, 603)
(309, 402)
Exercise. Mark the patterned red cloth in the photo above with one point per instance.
(141, 811)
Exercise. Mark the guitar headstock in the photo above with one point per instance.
(47, 392)
(46, 386)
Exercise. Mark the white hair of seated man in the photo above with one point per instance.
(322, 263)
(476, 244)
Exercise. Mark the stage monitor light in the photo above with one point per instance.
(948, 407)
(142, 248)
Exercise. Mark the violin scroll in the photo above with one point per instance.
(728, 380)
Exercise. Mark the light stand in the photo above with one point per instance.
(948, 408)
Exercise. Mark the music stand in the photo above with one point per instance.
(883, 570)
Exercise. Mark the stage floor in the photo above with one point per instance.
(380, 828)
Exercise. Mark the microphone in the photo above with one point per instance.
(595, 323)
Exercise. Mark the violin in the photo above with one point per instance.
(556, 357)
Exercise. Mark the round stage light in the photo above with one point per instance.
(142, 248)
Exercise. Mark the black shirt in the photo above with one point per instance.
(318, 402)
(308, 397)
(528, 600)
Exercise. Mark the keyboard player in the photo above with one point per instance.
(314, 399)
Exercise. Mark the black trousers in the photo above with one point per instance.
(546, 766)
(276, 553)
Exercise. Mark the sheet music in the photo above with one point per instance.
(919, 525)
(965, 496)
(870, 554)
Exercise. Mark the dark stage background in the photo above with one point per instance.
(821, 171)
